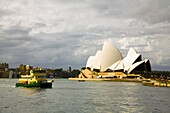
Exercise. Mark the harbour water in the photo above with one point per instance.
(84, 97)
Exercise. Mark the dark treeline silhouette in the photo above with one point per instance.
(60, 73)
(157, 75)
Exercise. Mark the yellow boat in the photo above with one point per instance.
(37, 78)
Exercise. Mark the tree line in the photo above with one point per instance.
(60, 73)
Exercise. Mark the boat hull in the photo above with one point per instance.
(41, 85)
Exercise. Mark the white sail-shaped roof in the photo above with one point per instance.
(96, 63)
(135, 65)
(90, 61)
(131, 52)
(110, 54)
(112, 67)
(110, 58)
(120, 66)
(146, 60)
(147, 65)
(130, 59)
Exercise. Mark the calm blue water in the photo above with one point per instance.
(84, 97)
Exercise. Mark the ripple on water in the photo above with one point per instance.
(6, 86)
(87, 97)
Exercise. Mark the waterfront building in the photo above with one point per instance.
(109, 63)
(4, 70)
(13, 73)
(24, 69)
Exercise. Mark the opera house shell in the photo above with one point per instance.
(109, 59)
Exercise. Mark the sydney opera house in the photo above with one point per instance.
(109, 63)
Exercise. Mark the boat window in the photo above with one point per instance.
(27, 78)
(39, 71)
(40, 76)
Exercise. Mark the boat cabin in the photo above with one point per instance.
(36, 76)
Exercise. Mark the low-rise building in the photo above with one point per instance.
(4, 70)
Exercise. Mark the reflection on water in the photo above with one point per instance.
(31, 91)
(131, 100)
(84, 97)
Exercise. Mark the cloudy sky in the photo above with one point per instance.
(63, 33)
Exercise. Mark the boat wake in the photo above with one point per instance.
(6, 85)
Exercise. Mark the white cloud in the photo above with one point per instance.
(136, 42)
(58, 33)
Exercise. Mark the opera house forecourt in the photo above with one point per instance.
(108, 64)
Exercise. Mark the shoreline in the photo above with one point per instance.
(145, 82)
(106, 79)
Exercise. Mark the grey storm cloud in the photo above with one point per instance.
(62, 33)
